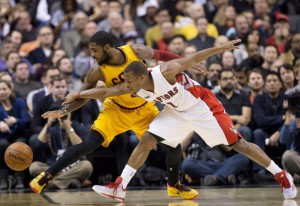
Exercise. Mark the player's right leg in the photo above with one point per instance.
(71, 155)
(256, 154)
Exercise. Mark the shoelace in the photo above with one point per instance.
(114, 185)
(182, 187)
(284, 182)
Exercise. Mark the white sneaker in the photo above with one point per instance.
(288, 188)
(114, 190)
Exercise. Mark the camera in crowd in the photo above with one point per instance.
(194, 150)
(57, 106)
(294, 104)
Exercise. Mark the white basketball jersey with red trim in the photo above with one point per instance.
(180, 96)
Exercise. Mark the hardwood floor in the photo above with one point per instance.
(261, 196)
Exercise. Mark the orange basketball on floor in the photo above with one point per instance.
(18, 156)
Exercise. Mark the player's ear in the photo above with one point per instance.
(106, 47)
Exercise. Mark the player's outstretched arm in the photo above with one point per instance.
(174, 67)
(145, 52)
(91, 79)
(97, 93)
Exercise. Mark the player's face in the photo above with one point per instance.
(98, 53)
(133, 83)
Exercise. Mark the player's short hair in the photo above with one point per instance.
(137, 68)
(102, 38)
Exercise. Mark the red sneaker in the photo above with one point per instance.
(288, 188)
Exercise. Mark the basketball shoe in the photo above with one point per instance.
(113, 190)
(42, 180)
(180, 190)
(288, 188)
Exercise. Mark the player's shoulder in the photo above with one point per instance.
(94, 72)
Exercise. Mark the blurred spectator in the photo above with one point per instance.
(253, 37)
(97, 11)
(215, 165)
(6, 47)
(224, 19)
(254, 59)
(241, 79)
(58, 88)
(168, 31)
(70, 39)
(235, 102)
(287, 76)
(202, 40)
(293, 54)
(65, 66)
(135, 8)
(255, 84)
(23, 85)
(177, 44)
(281, 33)
(219, 41)
(129, 33)
(227, 60)
(14, 124)
(270, 55)
(89, 29)
(153, 33)
(34, 95)
(25, 26)
(212, 7)
(195, 11)
(12, 59)
(268, 114)
(5, 76)
(55, 137)
(192, 72)
(115, 21)
(56, 55)
(289, 135)
(83, 61)
(297, 87)
(41, 12)
(16, 38)
(61, 14)
(241, 29)
(212, 77)
(38, 56)
(146, 21)
(113, 6)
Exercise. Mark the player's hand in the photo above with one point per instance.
(53, 114)
(200, 69)
(231, 45)
(71, 97)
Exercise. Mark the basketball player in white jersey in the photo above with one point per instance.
(188, 108)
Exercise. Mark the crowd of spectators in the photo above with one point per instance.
(44, 54)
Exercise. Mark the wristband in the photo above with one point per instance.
(64, 111)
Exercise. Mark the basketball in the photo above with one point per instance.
(18, 156)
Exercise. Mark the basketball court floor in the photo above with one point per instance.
(250, 196)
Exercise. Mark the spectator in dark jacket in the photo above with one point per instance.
(268, 113)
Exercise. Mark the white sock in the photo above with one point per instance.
(127, 174)
(273, 168)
